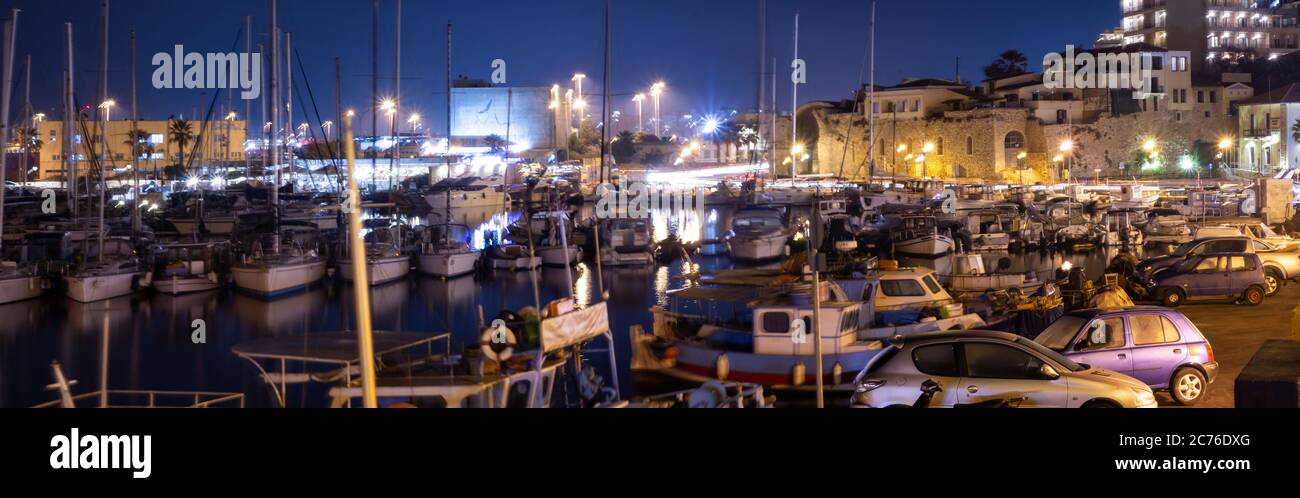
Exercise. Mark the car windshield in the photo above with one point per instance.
(1052, 355)
(1186, 248)
(1058, 336)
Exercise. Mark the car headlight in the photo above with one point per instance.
(1144, 395)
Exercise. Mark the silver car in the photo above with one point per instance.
(977, 367)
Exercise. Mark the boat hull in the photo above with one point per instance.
(89, 289)
(380, 271)
(769, 370)
(447, 265)
(184, 285)
(483, 198)
(758, 249)
(277, 280)
(610, 257)
(928, 245)
(17, 289)
(555, 256)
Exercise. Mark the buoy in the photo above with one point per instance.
(837, 374)
(498, 337)
(800, 374)
(722, 366)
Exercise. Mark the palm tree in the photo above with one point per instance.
(182, 133)
(140, 145)
(495, 143)
(1009, 63)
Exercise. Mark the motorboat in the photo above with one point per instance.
(625, 242)
(186, 268)
(918, 235)
(466, 192)
(759, 234)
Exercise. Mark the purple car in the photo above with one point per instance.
(1157, 346)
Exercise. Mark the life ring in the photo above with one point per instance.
(486, 343)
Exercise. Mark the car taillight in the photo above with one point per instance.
(1210, 351)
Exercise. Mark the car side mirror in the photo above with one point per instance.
(1048, 372)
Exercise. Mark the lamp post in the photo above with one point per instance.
(639, 99)
(107, 106)
(657, 91)
(1067, 149)
(1225, 150)
(1020, 165)
(902, 148)
(925, 152)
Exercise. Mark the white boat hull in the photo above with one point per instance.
(380, 271)
(758, 249)
(447, 265)
(929, 245)
(482, 198)
(275, 280)
(555, 256)
(516, 264)
(88, 289)
(17, 289)
(184, 285)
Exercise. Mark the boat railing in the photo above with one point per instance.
(156, 399)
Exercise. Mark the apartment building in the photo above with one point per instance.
(226, 143)
(1214, 31)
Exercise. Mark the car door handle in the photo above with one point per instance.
(973, 389)
(1123, 357)
(1178, 351)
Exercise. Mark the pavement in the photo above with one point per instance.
(1236, 332)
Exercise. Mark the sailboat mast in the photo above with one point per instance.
(374, 92)
(288, 105)
(395, 160)
(69, 165)
(794, 107)
(871, 101)
(29, 116)
(275, 124)
(135, 148)
(10, 32)
(248, 109)
(103, 136)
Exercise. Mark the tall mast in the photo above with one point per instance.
(69, 165)
(374, 92)
(10, 32)
(248, 109)
(871, 100)
(794, 107)
(397, 98)
(135, 148)
(27, 113)
(447, 156)
(288, 105)
(762, 58)
(103, 136)
(275, 124)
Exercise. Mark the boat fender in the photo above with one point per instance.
(837, 374)
(498, 336)
(799, 375)
(722, 366)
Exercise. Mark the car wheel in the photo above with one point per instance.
(1272, 282)
(1100, 403)
(1188, 386)
(1172, 297)
(1254, 296)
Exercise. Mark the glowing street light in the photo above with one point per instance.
(1067, 145)
(577, 81)
(657, 91)
(1149, 145)
(927, 148)
(639, 98)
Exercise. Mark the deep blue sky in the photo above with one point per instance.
(705, 49)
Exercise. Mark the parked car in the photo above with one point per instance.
(975, 367)
(1281, 264)
(1237, 275)
(1246, 227)
(1158, 346)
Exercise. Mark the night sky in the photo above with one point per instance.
(705, 50)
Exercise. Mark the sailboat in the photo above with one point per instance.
(385, 261)
(442, 254)
(16, 283)
(186, 269)
(114, 272)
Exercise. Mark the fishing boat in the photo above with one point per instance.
(918, 235)
(758, 234)
(625, 242)
(466, 192)
(443, 254)
(762, 333)
(186, 268)
(294, 268)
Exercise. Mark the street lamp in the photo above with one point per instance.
(328, 125)
(639, 98)
(1020, 165)
(1225, 147)
(107, 106)
(656, 91)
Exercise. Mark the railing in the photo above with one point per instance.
(151, 399)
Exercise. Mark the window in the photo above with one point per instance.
(1208, 265)
(902, 288)
(935, 288)
(1214, 96)
(916, 105)
(1240, 264)
(938, 144)
(776, 323)
(1014, 140)
(1200, 96)
(938, 360)
(1150, 329)
(1061, 116)
(1110, 328)
(970, 146)
(995, 361)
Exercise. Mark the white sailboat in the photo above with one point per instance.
(113, 273)
(384, 263)
(188, 268)
(18, 284)
(447, 258)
